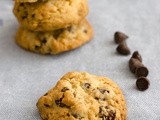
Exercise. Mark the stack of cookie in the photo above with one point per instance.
(52, 26)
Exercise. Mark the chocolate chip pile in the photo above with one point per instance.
(135, 63)
(120, 38)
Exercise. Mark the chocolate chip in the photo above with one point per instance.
(44, 40)
(141, 71)
(123, 49)
(138, 68)
(46, 105)
(24, 17)
(112, 115)
(21, 4)
(137, 56)
(60, 104)
(87, 85)
(57, 33)
(100, 109)
(120, 37)
(37, 47)
(132, 65)
(68, 114)
(102, 91)
(96, 98)
(64, 89)
(142, 83)
(77, 116)
(33, 15)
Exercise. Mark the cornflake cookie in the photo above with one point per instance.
(50, 15)
(57, 41)
(81, 96)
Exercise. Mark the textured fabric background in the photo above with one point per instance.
(25, 76)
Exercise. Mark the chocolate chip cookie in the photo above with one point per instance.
(48, 15)
(81, 96)
(56, 41)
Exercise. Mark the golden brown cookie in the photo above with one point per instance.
(57, 41)
(50, 15)
(81, 96)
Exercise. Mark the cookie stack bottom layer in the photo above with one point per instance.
(57, 41)
(81, 96)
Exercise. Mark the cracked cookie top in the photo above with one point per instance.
(81, 96)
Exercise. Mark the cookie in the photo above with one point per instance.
(50, 15)
(81, 96)
(56, 41)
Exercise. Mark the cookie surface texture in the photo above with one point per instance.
(48, 15)
(57, 41)
(81, 96)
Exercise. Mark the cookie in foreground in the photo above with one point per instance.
(82, 96)
(57, 41)
(48, 15)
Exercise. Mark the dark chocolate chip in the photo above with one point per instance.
(77, 116)
(96, 98)
(112, 115)
(142, 83)
(60, 104)
(132, 65)
(68, 114)
(123, 49)
(100, 109)
(138, 68)
(137, 56)
(46, 105)
(102, 91)
(141, 71)
(64, 89)
(33, 15)
(57, 33)
(24, 17)
(87, 85)
(21, 4)
(43, 40)
(120, 37)
(37, 47)
(106, 107)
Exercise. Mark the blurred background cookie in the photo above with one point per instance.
(56, 41)
(51, 14)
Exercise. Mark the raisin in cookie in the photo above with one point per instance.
(50, 14)
(81, 96)
(57, 41)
